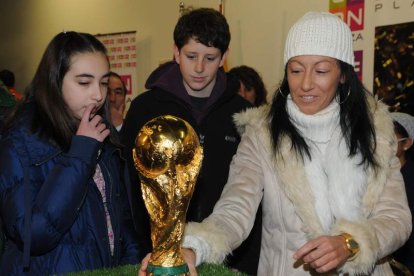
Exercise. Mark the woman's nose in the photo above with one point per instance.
(307, 81)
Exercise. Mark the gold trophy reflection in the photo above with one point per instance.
(168, 157)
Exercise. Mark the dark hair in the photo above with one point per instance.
(51, 113)
(204, 25)
(113, 74)
(251, 80)
(355, 119)
(7, 77)
(399, 129)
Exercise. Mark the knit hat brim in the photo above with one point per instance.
(320, 33)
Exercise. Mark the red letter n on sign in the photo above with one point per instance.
(351, 11)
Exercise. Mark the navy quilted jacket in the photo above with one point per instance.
(66, 228)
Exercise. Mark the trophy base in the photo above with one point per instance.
(167, 271)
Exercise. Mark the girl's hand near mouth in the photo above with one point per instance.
(92, 125)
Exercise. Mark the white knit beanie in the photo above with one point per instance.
(322, 34)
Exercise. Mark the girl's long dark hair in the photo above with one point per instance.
(355, 119)
(52, 118)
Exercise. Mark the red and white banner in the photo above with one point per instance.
(122, 55)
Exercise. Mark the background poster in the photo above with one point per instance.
(394, 66)
(122, 54)
(383, 35)
(352, 12)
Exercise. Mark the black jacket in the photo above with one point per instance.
(214, 125)
(405, 254)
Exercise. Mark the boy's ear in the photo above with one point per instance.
(224, 57)
(176, 54)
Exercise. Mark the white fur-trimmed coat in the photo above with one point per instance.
(289, 216)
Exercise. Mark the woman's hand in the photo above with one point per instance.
(92, 127)
(324, 253)
(189, 257)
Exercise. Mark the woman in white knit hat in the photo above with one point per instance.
(322, 158)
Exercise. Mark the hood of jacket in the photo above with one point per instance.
(168, 77)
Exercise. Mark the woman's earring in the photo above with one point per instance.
(280, 91)
(347, 96)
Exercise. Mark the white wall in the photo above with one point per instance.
(258, 30)
(26, 26)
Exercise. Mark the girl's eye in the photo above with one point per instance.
(191, 57)
(210, 58)
(84, 83)
(104, 83)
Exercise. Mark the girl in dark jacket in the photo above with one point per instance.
(64, 203)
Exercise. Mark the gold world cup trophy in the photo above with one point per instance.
(167, 156)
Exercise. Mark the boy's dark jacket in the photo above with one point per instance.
(68, 226)
(213, 124)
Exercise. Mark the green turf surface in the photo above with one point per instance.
(203, 270)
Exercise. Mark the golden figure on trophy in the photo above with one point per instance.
(168, 156)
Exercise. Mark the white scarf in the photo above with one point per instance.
(337, 181)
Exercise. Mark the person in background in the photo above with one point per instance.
(252, 87)
(246, 82)
(322, 157)
(116, 95)
(64, 200)
(193, 87)
(7, 77)
(7, 102)
(404, 129)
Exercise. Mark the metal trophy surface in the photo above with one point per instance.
(167, 156)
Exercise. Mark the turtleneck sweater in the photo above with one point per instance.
(317, 129)
(336, 180)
